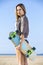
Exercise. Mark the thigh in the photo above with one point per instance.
(20, 57)
(17, 54)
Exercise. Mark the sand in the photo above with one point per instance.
(12, 60)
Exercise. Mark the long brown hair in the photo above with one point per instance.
(23, 7)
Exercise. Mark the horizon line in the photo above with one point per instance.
(15, 54)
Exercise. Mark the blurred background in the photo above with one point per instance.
(34, 9)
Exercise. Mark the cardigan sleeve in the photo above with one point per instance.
(26, 27)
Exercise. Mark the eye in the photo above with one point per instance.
(18, 9)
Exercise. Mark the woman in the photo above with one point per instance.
(23, 27)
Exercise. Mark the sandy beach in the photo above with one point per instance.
(12, 60)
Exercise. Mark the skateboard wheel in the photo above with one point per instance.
(33, 48)
(27, 55)
(10, 38)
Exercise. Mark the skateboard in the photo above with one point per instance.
(26, 49)
(14, 37)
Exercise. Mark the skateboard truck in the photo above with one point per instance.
(12, 35)
(29, 52)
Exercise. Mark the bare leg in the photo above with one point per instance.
(25, 61)
(20, 57)
(17, 55)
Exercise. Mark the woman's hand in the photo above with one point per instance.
(22, 37)
(18, 47)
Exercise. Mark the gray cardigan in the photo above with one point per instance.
(24, 26)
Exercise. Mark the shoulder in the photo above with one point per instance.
(25, 16)
(26, 19)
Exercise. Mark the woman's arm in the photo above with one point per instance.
(26, 27)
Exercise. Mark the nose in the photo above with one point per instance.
(18, 11)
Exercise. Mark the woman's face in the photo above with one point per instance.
(20, 11)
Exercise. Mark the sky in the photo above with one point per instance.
(34, 12)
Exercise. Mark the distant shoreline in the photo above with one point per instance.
(15, 54)
(7, 54)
